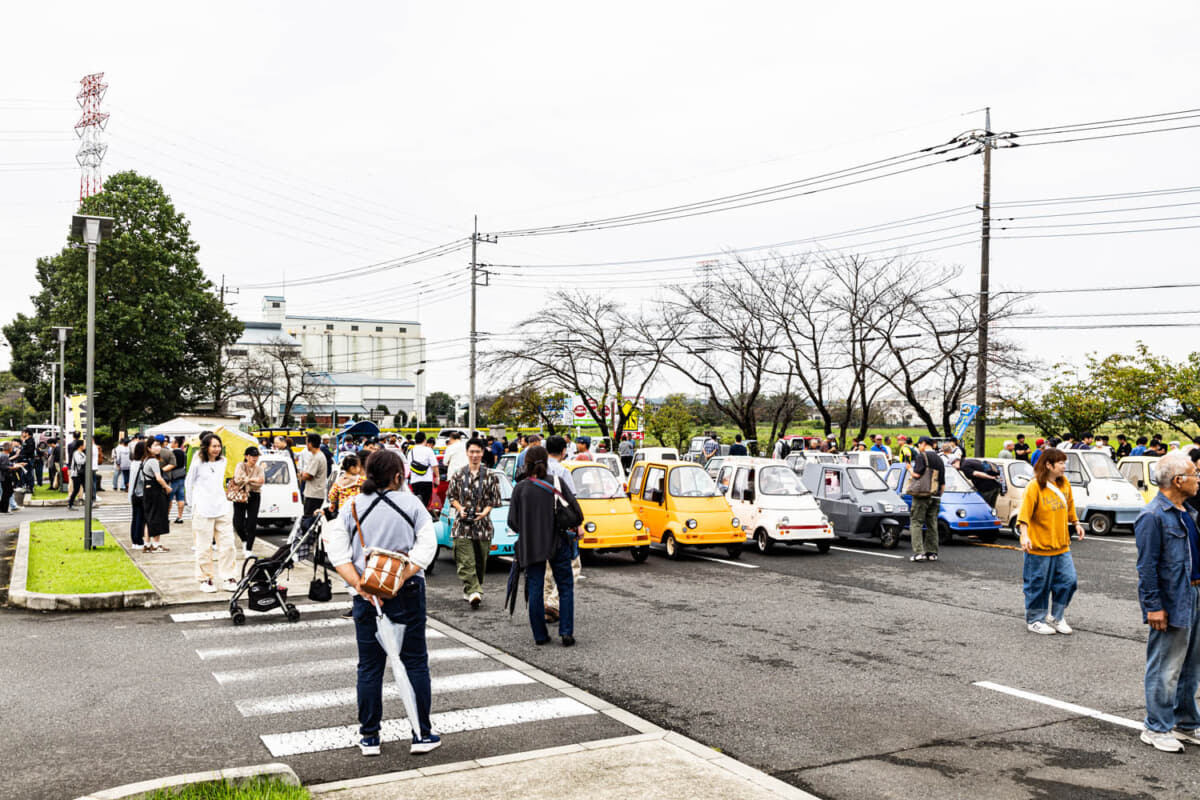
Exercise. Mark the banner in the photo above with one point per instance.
(966, 414)
(77, 413)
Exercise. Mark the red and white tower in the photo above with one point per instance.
(89, 129)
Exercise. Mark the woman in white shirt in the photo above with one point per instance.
(212, 517)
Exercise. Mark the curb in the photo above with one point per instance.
(20, 597)
(134, 791)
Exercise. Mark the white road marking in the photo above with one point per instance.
(864, 552)
(289, 645)
(392, 730)
(201, 616)
(722, 561)
(326, 666)
(288, 703)
(1082, 711)
(1095, 538)
(268, 627)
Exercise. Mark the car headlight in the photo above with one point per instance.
(637, 524)
(1114, 497)
(866, 509)
(691, 523)
(590, 527)
(737, 523)
(961, 513)
(784, 520)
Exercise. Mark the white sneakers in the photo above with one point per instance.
(1191, 737)
(229, 585)
(247, 552)
(1041, 627)
(1162, 741)
(1060, 625)
(207, 587)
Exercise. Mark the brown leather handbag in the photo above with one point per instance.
(382, 575)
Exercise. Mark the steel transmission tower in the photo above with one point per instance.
(89, 129)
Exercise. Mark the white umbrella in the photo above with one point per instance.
(391, 638)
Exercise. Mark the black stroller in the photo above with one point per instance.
(260, 576)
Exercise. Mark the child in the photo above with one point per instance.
(348, 483)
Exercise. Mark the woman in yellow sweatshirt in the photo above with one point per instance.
(1044, 522)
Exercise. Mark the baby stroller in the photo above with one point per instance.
(260, 576)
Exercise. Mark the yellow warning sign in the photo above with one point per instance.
(633, 417)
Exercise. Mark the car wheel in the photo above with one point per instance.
(1100, 524)
(734, 551)
(944, 533)
(765, 545)
(672, 546)
(823, 547)
(889, 536)
(640, 554)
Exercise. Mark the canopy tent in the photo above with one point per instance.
(364, 427)
(188, 426)
(235, 443)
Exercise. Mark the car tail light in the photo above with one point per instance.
(295, 497)
(495, 548)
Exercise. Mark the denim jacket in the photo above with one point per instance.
(1164, 562)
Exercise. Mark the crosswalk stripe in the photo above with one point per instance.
(326, 667)
(392, 730)
(200, 616)
(270, 627)
(443, 684)
(289, 645)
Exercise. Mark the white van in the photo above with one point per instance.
(1104, 498)
(866, 458)
(281, 504)
(655, 454)
(773, 504)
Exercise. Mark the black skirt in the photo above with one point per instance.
(154, 506)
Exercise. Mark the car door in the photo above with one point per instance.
(830, 491)
(740, 490)
(653, 498)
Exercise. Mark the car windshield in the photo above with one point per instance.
(691, 482)
(277, 473)
(506, 486)
(955, 482)
(777, 480)
(612, 462)
(594, 483)
(1020, 474)
(866, 479)
(1100, 465)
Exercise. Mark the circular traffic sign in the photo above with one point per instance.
(580, 410)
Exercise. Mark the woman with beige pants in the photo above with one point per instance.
(212, 517)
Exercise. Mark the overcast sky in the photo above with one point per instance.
(306, 139)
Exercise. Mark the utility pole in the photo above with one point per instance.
(61, 333)
(475, 271)
(984, 265)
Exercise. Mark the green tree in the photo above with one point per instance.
(1143, 386)
(671, 423)
(160, 328)
(310, 420)
(399, 420)
(1073, 404)
(526, 405)
(439, 404)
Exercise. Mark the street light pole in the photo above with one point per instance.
(89, 228)
(61, 333)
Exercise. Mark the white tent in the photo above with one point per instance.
(191, 425)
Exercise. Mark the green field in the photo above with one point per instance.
(58, 563)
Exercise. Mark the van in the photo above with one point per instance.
(774, 506)
(679, 506)
(655, 454)
(281, 504)
(1104, 498)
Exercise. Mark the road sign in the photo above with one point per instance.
(633, 417)
(580, 411)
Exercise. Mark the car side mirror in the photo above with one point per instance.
(748, 495)
(656, 496)
(1141, 484)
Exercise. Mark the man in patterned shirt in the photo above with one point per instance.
(474, 491)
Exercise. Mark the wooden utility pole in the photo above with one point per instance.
(981, 397)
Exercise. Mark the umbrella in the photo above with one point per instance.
(391, 636)
(514, 581)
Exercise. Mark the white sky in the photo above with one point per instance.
(303, 139)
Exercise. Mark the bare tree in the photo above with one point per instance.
(277, 376)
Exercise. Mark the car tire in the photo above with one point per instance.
(889, 536)
(640, 554)
(734, 551)
(674, 551)
(945, 535)
(763, 541)
(1100, 524)
(823, 547)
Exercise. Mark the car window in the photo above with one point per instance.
(277, 473)
(594, 483)
(1100, 465)
(635, 477)
(654, 482)
(1154, 473)
(1074, 470)
(1020, 474)
(893, 479)
(831, 481)
(779, 481)
(723, 478)
(740, 482)
(613, 464)
(691, 481)
(506, 486)
(1131, 471)
(956, 481)
(866, 479)
(879, 462)
(669, 457)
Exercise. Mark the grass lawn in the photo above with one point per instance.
(58, 564)
(44, 492)
(257, 789)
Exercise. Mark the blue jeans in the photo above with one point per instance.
(408, 609)
(535, 577)
(1173, 674)
(137, 522)
(1048, 577)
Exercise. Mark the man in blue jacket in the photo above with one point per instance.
(1168, 568)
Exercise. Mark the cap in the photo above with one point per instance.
(584, 439)
(158, 437)
(925, 440)
(1040, 442)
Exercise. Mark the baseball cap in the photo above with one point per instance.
(1040, 442)
(925, 440)
(584, 439)
(158, 437)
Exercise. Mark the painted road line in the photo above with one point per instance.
(290, 645)
(997, 546)
(393, 730)
(288, 703)
(1096, 538)
(327, 666)
(251, 628)
(722, 561)
(1082, 711)
(202, 616)
(865, 552)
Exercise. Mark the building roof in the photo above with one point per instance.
(360, 379)
(354, 319)
(264, 333)
(343, 411)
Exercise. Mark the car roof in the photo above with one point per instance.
(750, 461)
(574, 465)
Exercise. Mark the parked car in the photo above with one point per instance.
(609, 523)
(867, 458)
(799, 459)
(655, 454)
(714, 466)
(503, 539)
(1017, 475)
(613, 462)
(773, 505)
(962, 510)
(1142, 472)
(280, 503)
(857, 502)
(1104, 499)
(507, 463)
(443, 437)
(681, 507)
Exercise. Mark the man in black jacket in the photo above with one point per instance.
(923, 522)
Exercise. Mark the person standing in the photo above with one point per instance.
(474, 492)
(625, 451)
(1044, 522)
(738, 448)
(925, 487)
(179, 478)
(455, 456)
(1021, 448)
(422, 464)
(10, 475)
(212, 517)
(314, 477)
(136, 487)
(1168, 566)
(539, 542)
(383, 516)
(1006, 452)
(78, 472)
(1124, 448)
(121, 462)
(710, 448)
(583, 449)
(39, 461)
(250, 476)
(556, 450)
(156, 495)
(27, 456)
